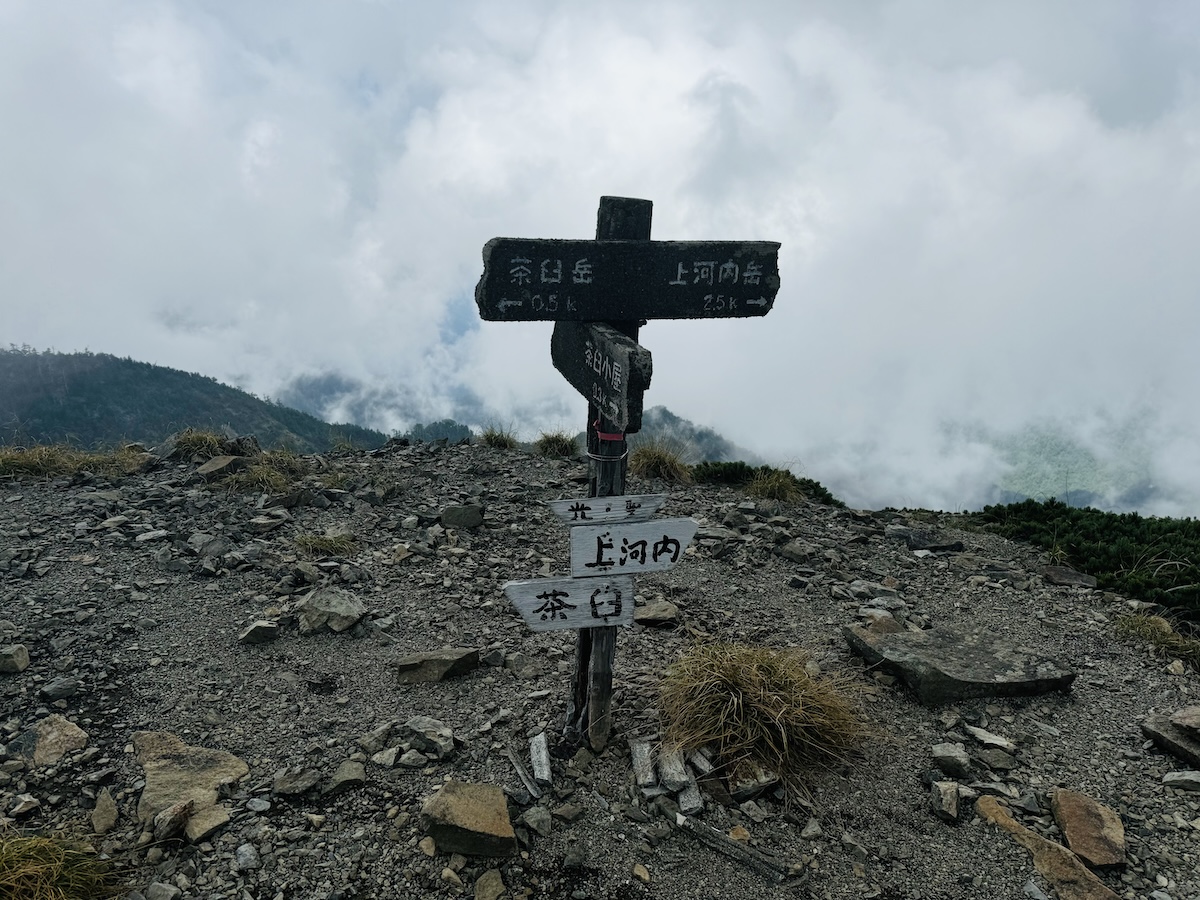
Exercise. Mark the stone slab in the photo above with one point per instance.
(944, 665)
(1179, 742)
(176, 773)
(1092, 830)
(436, 665)
(471, 819)
(1187, 718)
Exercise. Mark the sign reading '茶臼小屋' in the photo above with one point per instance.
(609, 369)
(608, 281)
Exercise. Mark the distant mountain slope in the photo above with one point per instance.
(94, 399)
(694, 443)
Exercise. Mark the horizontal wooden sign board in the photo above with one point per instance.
(597, 510)
(551, 604)
(618, 548)
(616, 281)
(608, 368)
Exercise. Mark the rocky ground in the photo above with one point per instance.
(135, 600)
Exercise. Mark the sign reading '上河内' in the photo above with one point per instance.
(591, 281)
(619, 549)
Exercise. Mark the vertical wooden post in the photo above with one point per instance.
(590, 712)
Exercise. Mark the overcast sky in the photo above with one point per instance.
(989, 212)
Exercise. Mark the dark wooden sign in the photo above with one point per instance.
(594, 281)
(608, 368)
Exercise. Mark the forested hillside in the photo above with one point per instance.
(94, 399)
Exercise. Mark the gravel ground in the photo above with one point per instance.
(99, 582)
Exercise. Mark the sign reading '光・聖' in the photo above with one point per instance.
(610, 281)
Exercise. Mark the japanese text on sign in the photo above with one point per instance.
(617, 548)
(552, 604)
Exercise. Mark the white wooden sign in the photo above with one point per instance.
(626, 549)
(596, 510)
(551, 604)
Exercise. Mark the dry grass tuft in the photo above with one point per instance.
(54, 868)
(316, 545)
(775, 484)
(498, 438)
(556, 443)
(257, 479)
(273, 472)
(55, 460)
(195, 443)
(1161, 634)
(757, 706)
(285, 462)
(658, 459)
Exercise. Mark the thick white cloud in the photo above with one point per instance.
(986, 210)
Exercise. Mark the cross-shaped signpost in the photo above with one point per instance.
(598, 293)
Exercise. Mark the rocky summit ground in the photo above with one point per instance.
(133, 599)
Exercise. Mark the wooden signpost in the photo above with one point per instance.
(598, 293)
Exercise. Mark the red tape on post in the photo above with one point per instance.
(607, 436)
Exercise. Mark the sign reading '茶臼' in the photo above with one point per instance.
(608, 281)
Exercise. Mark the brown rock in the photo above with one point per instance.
(1071, 878)
(332, 608)
(220, 466)
(104, 816)
(56, 737)
(944, 797)
(1188, 719)
(657, 613)
(471, 819)
(1093, 831)
(490, 885)
(436, 665)
(176, 773)
(14, 659)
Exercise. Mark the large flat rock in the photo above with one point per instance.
(176, 773)
(1178, 741)
(944, 665)
(471, 819)
(436, 665)
(1094, 832)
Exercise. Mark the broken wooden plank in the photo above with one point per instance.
(539, 755)
(643, 763)
(523, 774)
(769, 867)
(671, 770)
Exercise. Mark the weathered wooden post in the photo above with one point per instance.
(598, 293)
